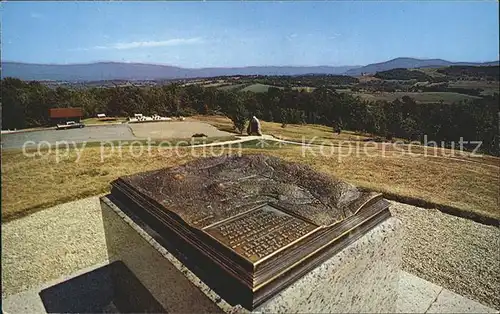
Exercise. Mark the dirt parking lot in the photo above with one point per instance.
(125, 132)
(87, 134)
(175, 129)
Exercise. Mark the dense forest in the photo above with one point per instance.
(444, 87)
(26, 104)
(403, 74)
(310, 80)
(489, 73)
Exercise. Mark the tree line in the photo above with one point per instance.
(403, 74)
(454, 72)
(444, 87)
(488, 73)
(309, 80)
(26, 104)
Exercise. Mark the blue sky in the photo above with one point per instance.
(226, 34)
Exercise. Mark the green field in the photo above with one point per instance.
(304, 88)
(230, 87)
(488, 87)
(258, 88)
(426, 97)
(430, 71)
(343, 90)
(214, 84)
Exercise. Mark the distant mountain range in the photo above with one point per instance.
(410, 63)
(138, 71)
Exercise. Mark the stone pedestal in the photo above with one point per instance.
(361, 278)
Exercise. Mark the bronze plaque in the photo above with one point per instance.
(260, 232)
(250, 225)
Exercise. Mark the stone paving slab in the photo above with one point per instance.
(450, 302)
(415, 294)
(24, 302)
(30, 302)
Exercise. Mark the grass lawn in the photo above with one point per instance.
(323, 135)
(468, 184)
(425, 97)
(318, 134)
(311, 133)
(34, 183)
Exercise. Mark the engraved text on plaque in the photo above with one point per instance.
(260, 232)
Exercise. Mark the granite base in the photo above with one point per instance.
(361, 278)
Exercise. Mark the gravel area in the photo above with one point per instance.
(50, 244)
(87, 134)
(456, 253)
(175, 129)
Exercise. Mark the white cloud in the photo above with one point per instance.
(144, 44)
(35, 15)
(292, 36)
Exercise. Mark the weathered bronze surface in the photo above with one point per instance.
(212, 189)
(261, 232)
(261, 221)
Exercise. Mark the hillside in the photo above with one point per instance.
(410, 63)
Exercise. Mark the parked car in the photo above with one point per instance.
(70, 125)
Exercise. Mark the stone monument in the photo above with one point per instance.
(254, 127)
(256, 231)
